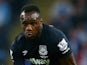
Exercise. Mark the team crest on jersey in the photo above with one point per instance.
(43, 51)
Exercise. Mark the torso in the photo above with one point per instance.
(44, 51)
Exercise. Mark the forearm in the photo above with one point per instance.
(68, 61)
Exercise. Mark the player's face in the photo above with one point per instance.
(31, 24)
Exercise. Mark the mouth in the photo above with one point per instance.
(28, 34)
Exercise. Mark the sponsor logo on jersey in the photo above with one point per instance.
(43, 51)
(39, 61)
(63, 46)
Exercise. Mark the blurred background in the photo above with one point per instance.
(70, 16)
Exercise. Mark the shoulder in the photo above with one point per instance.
(59, 41)
(16, 42)
(16, 46)
(54, 35)
(53, 31)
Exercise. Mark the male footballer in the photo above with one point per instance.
(38, 43)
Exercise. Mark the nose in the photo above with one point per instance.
(29, 28)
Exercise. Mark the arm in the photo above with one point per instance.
(16, 58)
(16, 54)
(65, 52)
(69, 60)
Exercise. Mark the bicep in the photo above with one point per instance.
(68, 60)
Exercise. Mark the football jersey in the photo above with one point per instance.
(50, 47)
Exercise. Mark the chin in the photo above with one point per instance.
(30, 37)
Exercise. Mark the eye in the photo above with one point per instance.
(25, 23)
(33, 23)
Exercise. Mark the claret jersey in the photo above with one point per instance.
(50, 47)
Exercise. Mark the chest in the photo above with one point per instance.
(37, 54)
(36, 51)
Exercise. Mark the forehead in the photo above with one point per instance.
(29, 15)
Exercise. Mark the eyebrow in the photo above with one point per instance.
(25, 21)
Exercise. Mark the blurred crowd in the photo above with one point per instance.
(70, 16)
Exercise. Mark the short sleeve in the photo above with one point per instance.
(63, 46)
(16, 54)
